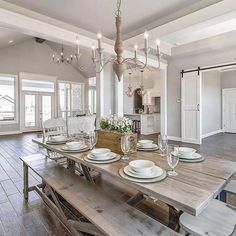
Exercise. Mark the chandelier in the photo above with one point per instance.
(67, 59)
(129, 92)
(141, 92)
(120, 63)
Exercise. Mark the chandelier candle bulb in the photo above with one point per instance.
(146, 40)
(99, 36)
(135, 50)
(93, 53)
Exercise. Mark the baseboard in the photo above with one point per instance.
(212, 133)
(173, 138)
(10, 132)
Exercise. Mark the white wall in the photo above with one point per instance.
(228, 79)
(211, 102)
(36, 58)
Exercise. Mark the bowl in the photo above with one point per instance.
(58, 138)
(141, 166)
(145, 143)
(186, 151)
(100, 152)
(74, 145)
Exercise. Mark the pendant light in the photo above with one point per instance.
(141, 92)
(129, 92)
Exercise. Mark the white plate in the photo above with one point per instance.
(193, 160)
(117, 158)
(107, 157)
(155, 172)
(194, 156)
(56, 143)
(65, 149)
(138, 180)
(153, 148)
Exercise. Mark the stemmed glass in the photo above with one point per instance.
(162, 143)
(93, 138)
(125, 146)
(172, 158)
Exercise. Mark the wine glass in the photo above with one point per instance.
(162, 143)
(93, 138)
(172, 158)
(125, 146)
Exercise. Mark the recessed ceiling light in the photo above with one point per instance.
(10, 41)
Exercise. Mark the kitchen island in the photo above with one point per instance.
(150, 123)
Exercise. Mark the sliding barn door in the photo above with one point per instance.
(191, 107)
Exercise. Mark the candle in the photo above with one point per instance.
(99, 36)
(135, 50)
(158, 46)
(146, 40)
(77, 45)
(93, 53)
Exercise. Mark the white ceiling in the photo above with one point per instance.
(98, 15)
(7, 35)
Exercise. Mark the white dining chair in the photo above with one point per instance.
(218, 219)
(52, 127)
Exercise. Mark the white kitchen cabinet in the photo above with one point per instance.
(150, 123)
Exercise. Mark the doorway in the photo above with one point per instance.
(37, 107)
(229, 110)
(37, 101)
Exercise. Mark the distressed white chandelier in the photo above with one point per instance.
(120, 63)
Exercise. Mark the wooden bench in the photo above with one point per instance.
(108, 215)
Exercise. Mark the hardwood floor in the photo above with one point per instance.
(35, 218)
(17, 217)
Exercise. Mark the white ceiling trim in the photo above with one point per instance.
(205, 14)
(25, 24)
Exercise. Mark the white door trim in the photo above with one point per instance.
(223, 106)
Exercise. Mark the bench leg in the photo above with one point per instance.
(26, 181)
(223, 196)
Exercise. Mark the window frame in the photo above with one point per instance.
(58, 98)
(16, 100)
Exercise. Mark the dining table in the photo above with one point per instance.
(191, 191)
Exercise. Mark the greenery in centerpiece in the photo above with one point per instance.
(115, 123)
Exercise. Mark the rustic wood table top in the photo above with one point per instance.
(191, 191)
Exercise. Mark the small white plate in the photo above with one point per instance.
(117, 158)
(138, 180)
(66, 149)
(107, 157)
(192, 160)
(153, 148)
(155, 172)
(194, 156)
(56, 143)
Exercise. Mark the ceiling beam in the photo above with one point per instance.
(186, 21)
(30, 23)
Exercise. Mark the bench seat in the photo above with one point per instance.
(109, 214)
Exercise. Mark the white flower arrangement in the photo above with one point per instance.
(114, 123)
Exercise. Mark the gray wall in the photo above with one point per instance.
(228, 79)
(217, 50)
(211, 101)
(36, 58)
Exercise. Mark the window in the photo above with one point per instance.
(92, 95)
(37, 86)
(74, 100)
(8, 98)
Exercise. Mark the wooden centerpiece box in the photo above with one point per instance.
(112, 129)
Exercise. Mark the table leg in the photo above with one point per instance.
(70, 164)
(86, 173)
(26, 181)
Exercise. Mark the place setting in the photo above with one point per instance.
(190, 155)
(75, 147)
(142, 171)
(147, 145)
(57, 140)
(102, 156)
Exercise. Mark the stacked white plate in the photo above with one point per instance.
(143, 169)
(58, 139)
(101, 154)
(147, 145)
(75, 147)
(189, 155)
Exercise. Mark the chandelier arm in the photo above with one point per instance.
(102, 66)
